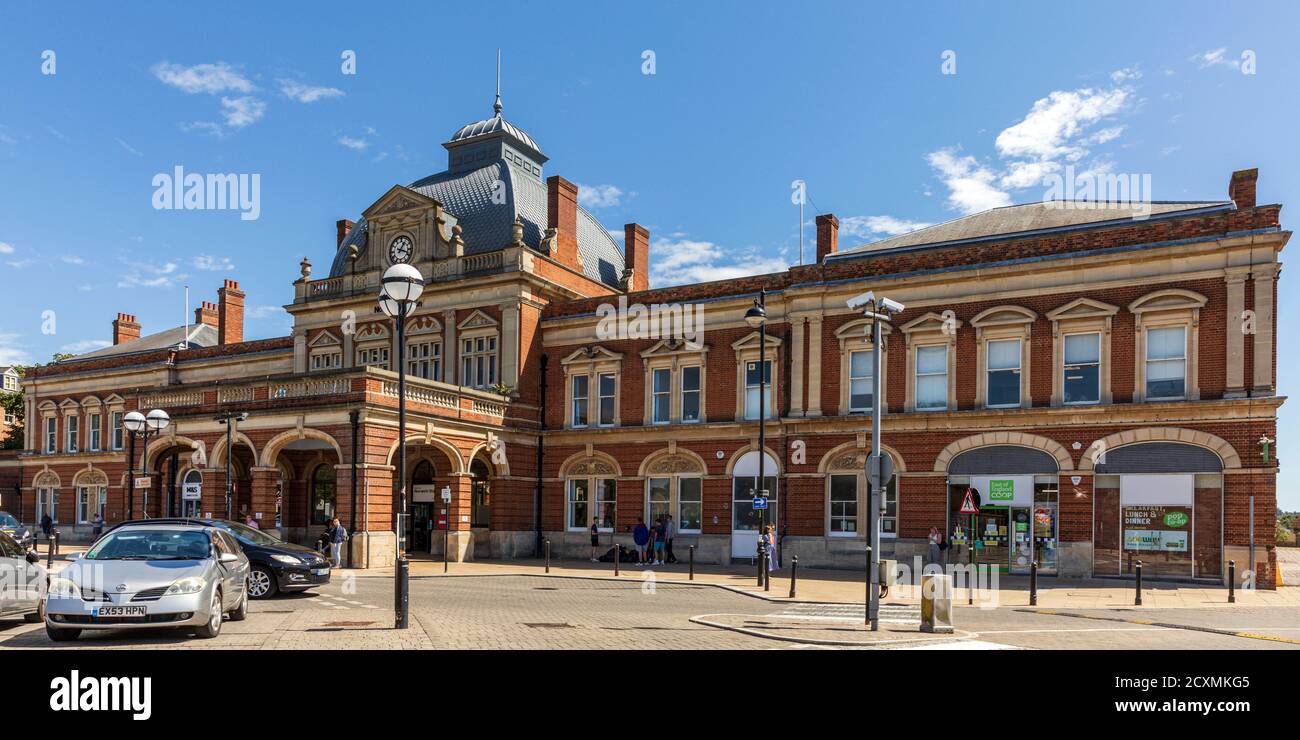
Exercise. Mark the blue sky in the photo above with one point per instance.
(745, 97)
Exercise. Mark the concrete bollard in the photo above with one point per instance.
(936, 603)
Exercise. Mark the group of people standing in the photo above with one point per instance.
(654, 544)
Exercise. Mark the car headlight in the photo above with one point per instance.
(62, 588)
(288, 559)
(191, 585)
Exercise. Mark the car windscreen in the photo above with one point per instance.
(7, 520)
(245, 533)
(152, 544)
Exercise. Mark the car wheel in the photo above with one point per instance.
(262, 583)
(212, 627)
(240, 613)
(36, 616)
(59, 634)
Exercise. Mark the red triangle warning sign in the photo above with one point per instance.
(968, 504)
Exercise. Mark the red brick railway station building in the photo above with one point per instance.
(1102, 377)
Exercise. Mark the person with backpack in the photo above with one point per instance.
(640, 536)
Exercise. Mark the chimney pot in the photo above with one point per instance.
(828, 235)
(125, 328)
(230, 313)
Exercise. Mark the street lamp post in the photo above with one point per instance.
(230, 419)
(878, 310)
(756, 317)
(403, 285)
(138, 424)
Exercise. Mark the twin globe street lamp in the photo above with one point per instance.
(140, 425)
(402, 286)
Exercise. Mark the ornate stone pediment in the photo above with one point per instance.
(854, 462)
(669, 464)
(591, 467)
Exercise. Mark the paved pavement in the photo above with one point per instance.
(511, 611)
(1288, 565)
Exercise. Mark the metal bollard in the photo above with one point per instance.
(446, 547)
(1033, 583)
(49, 553)
(56, 542)
(1138, 570)
(692, 572)
(759, 558)
(767, 573)
(1232, 581)
(866, 605)
(548, 556)
(617, 552)
(794, 574)
(401, 594)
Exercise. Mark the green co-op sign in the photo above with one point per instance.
(1002, 490)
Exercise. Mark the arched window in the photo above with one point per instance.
(322, 494)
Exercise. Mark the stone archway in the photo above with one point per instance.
(1217, 445)
(1064, 462)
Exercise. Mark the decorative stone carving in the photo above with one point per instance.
(591, 467)
(46, 479)
(674, 464)
(92, 477)
(850, 461)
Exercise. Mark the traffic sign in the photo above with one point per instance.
(192, 492)
(968, 503)
(882, 466)
(760, 503)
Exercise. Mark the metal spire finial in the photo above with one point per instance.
(497, 105)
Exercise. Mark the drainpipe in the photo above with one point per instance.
(541, 444)
(355, 417)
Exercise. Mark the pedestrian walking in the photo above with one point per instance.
(97, 526)
(338, 535)
(595, 542)
(641, 537)
(46, 524)
(932, 552)
(671, 533)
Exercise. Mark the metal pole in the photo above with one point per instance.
(972, 578)
(1137, 601)
(762, 425)
(230, 473)
(692, 570)
(617, 556)
(144, 468)
(446, 536)
(1232, 581)
(767, 574)
(355, 417)
(873, 507)
(1250, 568)
(867, 605)
(794, 574)
(548, 556)
(130, 475)
(1033, 583)
(401, 575)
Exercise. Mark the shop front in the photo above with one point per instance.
(1018, 518)
(1160, 503)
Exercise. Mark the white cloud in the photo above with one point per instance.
(678, 260)
(307, 93)
(6, 248)
(72, 259)
(1127, 74)
(213, 263)
(870, 227)
(211, 128)
(1050, 127)
(240, 112)
(11, 351)
(1215, 58)
(354, 144)
(88, 345)
(20, 264)
(129, 148)
(143, 275)
(598, 196)
(970, 184)
(203, 78)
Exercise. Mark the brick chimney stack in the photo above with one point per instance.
(125, 328)
(828, 235)
(562, 215)
(1241, 189)
(230, 313)
(636, 256)
(206, 313)
(343, 226)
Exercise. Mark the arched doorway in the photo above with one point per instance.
(747, 521)
(1019, 496)
(322, 494)
(424, 502)
(192, 494)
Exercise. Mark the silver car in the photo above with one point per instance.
(21, 581)
(149, 576)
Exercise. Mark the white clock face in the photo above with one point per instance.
(400, 250)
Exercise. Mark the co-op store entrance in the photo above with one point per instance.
(1017, 521)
